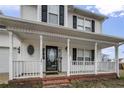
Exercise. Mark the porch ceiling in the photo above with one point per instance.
(43, 27)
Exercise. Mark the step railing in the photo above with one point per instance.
(25, 69)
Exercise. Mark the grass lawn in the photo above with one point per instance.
(115, 83)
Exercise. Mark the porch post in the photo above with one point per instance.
(41, 55)
(96, 59)
(10, 55)
(117, 60)
(68, 57)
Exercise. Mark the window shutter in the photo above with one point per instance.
(75, 22)
(93, 26)
(74, 54)
(61, 15)
(44, 13)
(92, 55)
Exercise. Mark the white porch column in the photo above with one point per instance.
(41, 55)
(10, 55)
(68, 57)
(96, 58)
(117, 60)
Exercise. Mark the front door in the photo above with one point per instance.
(51, 59)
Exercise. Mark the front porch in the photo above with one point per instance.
(86, 60)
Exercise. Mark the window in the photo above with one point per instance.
(88, 25)
(88, 55)
(80, 54)
(80, 23)
(53, 13)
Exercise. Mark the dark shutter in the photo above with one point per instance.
(44, 13)
(74, 54)
(92, 55)
(61, 15)
(75, 22)
(93, 26)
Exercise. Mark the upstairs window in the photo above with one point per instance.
(53, 13)
(80, 23)
(88, 25)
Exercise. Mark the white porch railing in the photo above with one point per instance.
(28, 69)
(82, 67)
(25, 69)
(106, 67)
(88, 67)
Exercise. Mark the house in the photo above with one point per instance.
(55, 41)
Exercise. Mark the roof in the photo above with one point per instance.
(44, 27)
(87, 13)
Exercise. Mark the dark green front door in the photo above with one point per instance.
(51, 59)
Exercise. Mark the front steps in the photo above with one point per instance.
(55, 81)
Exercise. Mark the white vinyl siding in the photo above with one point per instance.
(53, 14)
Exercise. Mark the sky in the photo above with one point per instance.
(114, 25)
